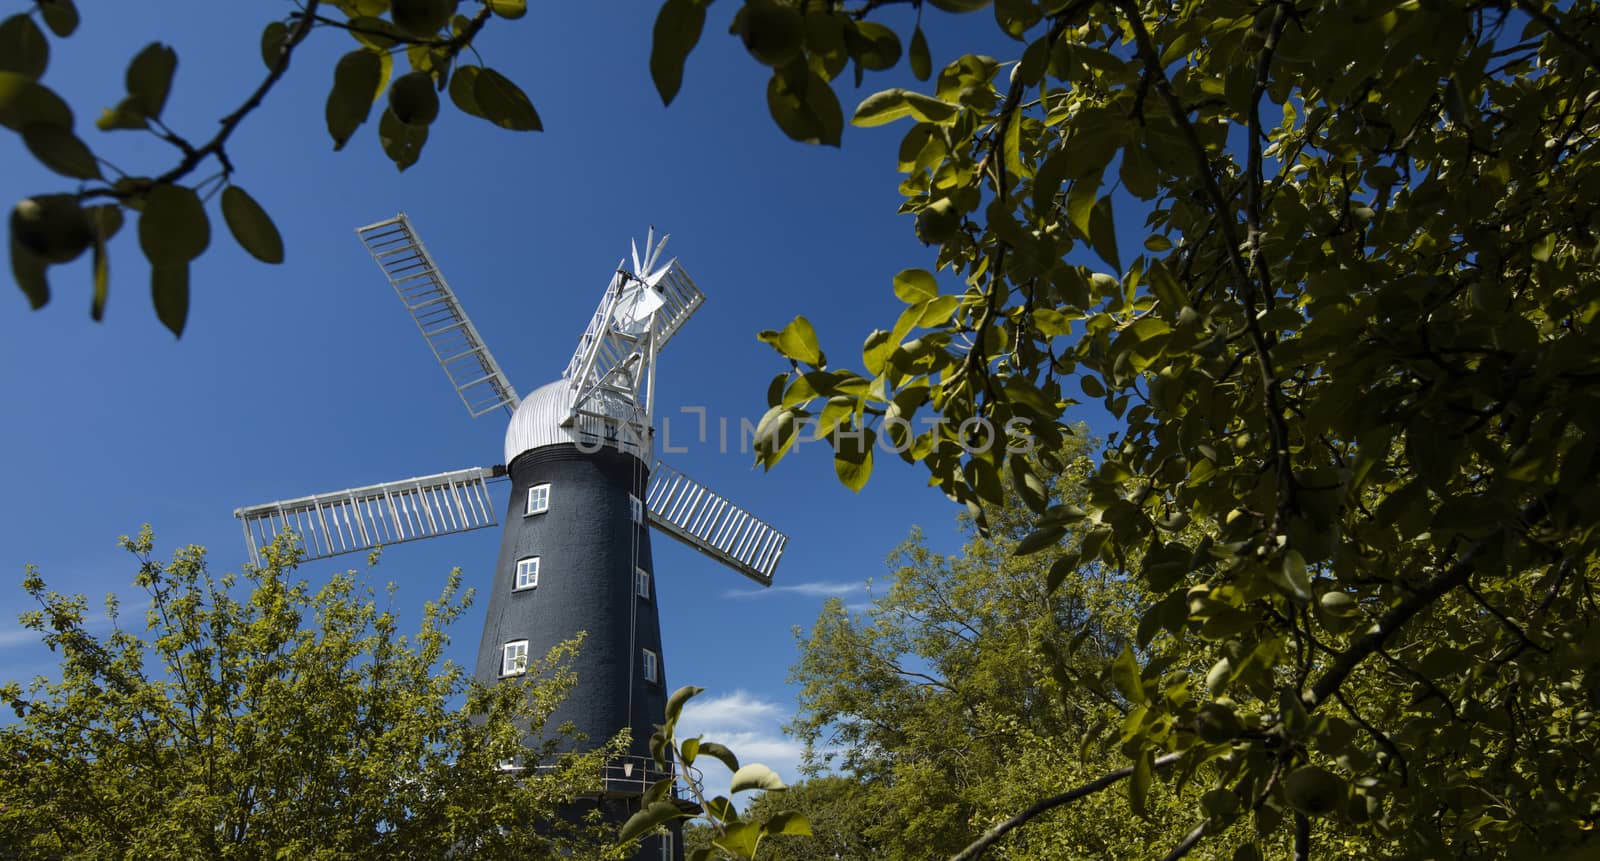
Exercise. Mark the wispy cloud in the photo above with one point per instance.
(811, 589)
(14, 635)
(750, 726)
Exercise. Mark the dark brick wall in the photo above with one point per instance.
(587, 545)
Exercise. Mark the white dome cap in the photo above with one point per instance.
(537, 421)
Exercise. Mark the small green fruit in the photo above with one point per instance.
(1216, 723)
(52, 226)
(939, 222)
(1338, 603)
(773, 33)
(413, 99)
(422, 18)
(1314, 790)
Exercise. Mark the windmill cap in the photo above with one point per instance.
(538, 420)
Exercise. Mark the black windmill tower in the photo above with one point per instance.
(586, 492)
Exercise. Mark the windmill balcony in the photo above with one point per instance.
(625, 776)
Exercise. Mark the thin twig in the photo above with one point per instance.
(977, 847)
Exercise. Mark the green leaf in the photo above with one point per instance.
(149, 78)
(646, 820)
(1040, 540)
(677, 29)
(102, 281)
(679, 697)
(23, 48)
(503, 102)
(740, 840)
(29, 272)
(889, 105)
(251, 226)
(509, 9)
(755, 776)
(874, 46)
(1169, 294)
(356, 81)
(689, 750)
(921, 61)
(25, 102)
(1103, 233)
(463, 90)
(126, 115)
(789, 822)
(1290, 576)
(57, 148)
(61, 16)
(1139, 785)
(797, 341)
(1080, 203)
(1012, 145)
(1125, 675)
(852, 456)
(657, 791)
(169, 290)
(721, 753)
(273, 38)
(173, 228)
(401, 142)
(804, 106)
(915, 285)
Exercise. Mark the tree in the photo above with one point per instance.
(174, 228)
(969, 688)
(292, 721)
(1353, 363)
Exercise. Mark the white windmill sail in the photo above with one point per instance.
(466, 360)
(361, 518)
(705, 520)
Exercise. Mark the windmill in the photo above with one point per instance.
(575, 549)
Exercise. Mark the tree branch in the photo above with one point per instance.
(193, 156)
(1271, 396)
(1189, 841)
(1562, 36)
(1412, 604)
(977, 847)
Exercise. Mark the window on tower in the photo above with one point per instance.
(635, 509)
(527, 573)
(538, 499)
(652, 672)
(514, 658)
(641, 582)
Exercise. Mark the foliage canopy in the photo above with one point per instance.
(1354, 363)
(294, 721)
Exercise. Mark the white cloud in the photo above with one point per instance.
(811, 589)
(748, 725)
(17, 636)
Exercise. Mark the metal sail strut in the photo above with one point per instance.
(705, 520)
(466, 360)
(361, 518)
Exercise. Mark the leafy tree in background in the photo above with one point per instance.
(173, 224)
(970, 687)
(291, 722)
(1353, 358)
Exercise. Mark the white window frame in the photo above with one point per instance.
(528, 509)
(641, 583)
(518, 582)
(636, 508)
(652, 666)
(514, 658)
(666, 846)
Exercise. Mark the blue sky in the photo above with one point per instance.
(309, 376)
